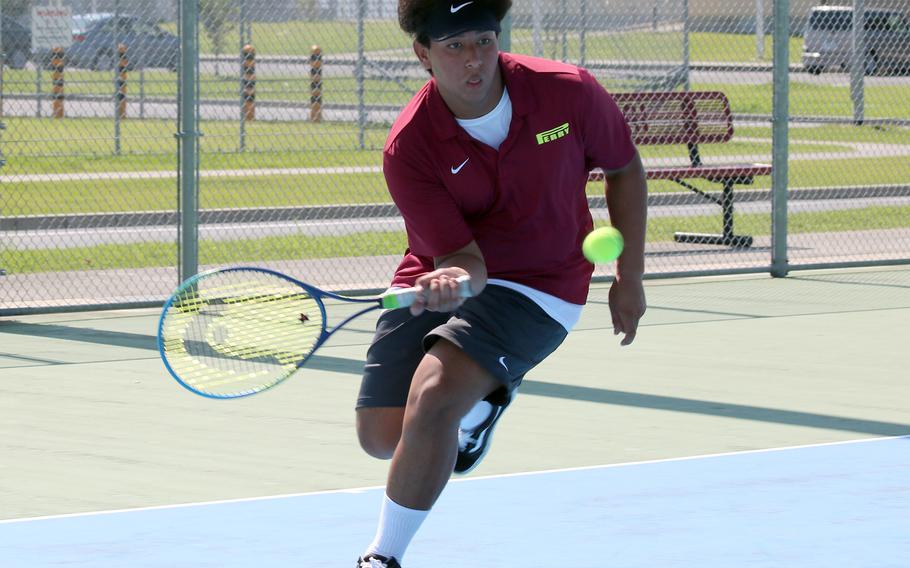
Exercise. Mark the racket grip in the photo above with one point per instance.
(404, 297)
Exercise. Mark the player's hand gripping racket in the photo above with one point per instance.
(234, 332)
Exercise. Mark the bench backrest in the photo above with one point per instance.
(677, 117)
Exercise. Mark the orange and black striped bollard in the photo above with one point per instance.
(248, 83)
(122, 64)
(316, 84)
(57, 65)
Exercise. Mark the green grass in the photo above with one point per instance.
(144, 255)
(39, 146)
(295, 39)
(298, 37)
(660, 229)
(877, 218)
(161, 85)
(881, 101)
(74, 197)
(34, 146)
(806, 99)
(717, 152)
(654, 46)
(836, 172)
(834, 133)
(45, 146)
(110, 196)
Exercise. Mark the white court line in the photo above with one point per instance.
(454, 480)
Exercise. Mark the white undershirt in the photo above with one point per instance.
(491, 129)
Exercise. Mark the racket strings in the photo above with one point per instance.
(240, 332)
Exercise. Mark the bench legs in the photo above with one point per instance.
(727, 237)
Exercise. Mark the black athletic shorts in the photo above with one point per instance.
(502, 330)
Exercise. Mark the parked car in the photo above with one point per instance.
(828, 40)
(82, 22)
(17, 43)
(148, 45)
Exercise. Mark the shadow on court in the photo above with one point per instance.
(354, 366)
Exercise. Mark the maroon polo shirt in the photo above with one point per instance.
(524, 204)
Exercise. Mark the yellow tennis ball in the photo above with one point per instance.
(602, 245)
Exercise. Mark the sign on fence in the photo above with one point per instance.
(52, 26)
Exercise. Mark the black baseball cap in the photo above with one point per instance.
(453, 17)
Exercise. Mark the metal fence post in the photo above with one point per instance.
(244, 42)
(537, 23)
(505, 36)
(119, 96)
(38, 88)
(142, 92)
(858, 62)
(687, 85)
(2, 125)
(582, 39)
(188, 139)
(2, 63)
(780, 123)
(115, 65)
(359, 71)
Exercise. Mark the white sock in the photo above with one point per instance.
(476, 415)
(397, 526)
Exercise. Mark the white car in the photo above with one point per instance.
(828, 40)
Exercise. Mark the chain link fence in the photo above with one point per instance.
(294, 100)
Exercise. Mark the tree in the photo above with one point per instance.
(216, 17)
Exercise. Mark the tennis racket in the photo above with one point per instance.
(233, 332)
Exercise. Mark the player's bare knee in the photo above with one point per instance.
(378, 431)
(376, 447)
(438, 400)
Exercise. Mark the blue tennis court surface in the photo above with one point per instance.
(843, 505)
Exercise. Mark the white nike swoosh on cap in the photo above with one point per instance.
(453, 8)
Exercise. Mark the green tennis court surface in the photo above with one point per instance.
(94, 423)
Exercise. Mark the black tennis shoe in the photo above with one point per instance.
(376, 561)
(473, 444)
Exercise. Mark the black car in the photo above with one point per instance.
(17, 43)
(147, 45)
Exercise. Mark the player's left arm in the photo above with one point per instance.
(627, 201)
(609, 145)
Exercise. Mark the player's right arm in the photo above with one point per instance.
(439, 291)
(435, 225)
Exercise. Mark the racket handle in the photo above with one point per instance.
(404, 297)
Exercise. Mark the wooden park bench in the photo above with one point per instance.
(691, 118)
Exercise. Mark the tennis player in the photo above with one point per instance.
(488, 165)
